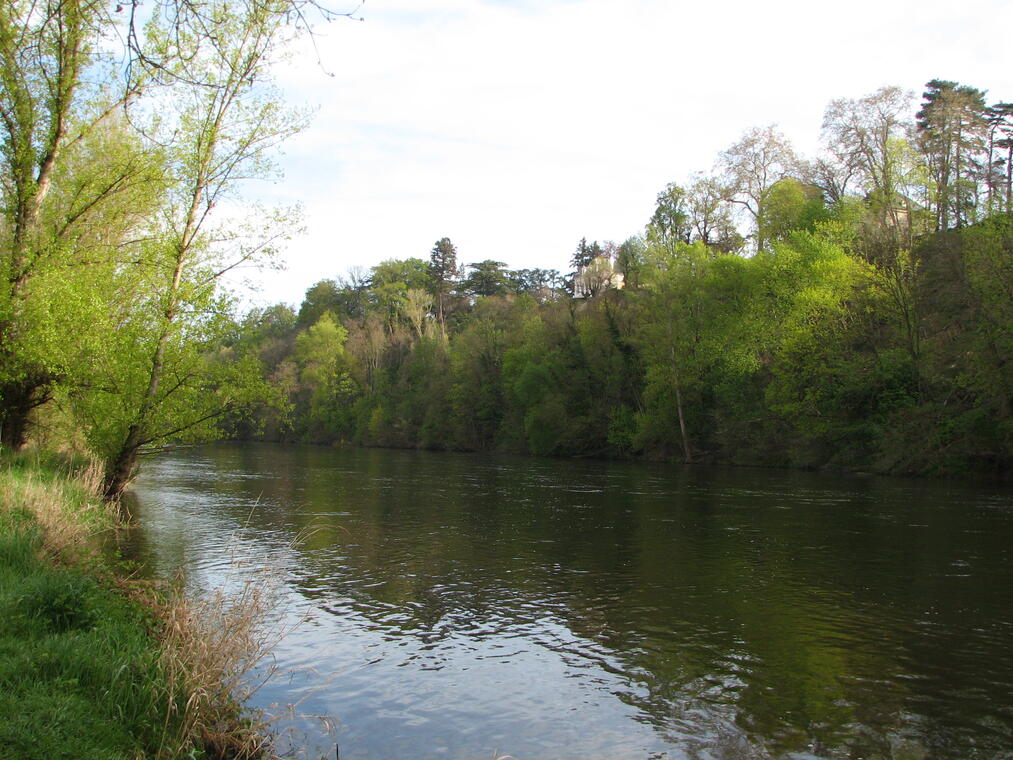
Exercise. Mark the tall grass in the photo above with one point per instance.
(94, 665)
(210, 645)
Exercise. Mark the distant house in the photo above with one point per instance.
(904, 214)
(596, 277)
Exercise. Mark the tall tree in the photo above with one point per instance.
(487, 278)
(1000, 157)
(751, 166)
(221, 118)
(861, 133)
(54, 95)
(952, 126)
(630, 260)
(443, 272)
(542, 284)
(583, 255)
(670, 223)
(867, 139)
(709, 214)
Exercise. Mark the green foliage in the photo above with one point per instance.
(806, 354)
(789, 206)
(848, 330)
(55, 602)
(487, 278)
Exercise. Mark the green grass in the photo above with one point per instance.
(79, 672)
(88, 672)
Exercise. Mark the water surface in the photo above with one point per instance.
(458, 606)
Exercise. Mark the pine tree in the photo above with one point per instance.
(952, 126)
(443, 273)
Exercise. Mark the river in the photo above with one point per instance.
(468, 606)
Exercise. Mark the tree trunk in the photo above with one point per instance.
(17, 400)
(678, 406)
(121, 470)
(1009, 180)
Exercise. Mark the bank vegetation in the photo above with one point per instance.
(96, 664)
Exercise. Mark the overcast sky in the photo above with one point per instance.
(516, 127)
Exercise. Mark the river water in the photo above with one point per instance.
(470, 606)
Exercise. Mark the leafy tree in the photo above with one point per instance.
(542, 284)
(320, 355)
(415, 309)
(476, 358)
(790, 206)
(669, 339)
(346, 297)
(390, 284)
(1000, 167)
(56, 102)
(821, 386)
(487, 278)
(223, 119)
(321, 297)
(630, 260)
(584, 254)
(670, 223)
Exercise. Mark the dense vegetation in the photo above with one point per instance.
(87, 671)
(848, 311)
(864, 322)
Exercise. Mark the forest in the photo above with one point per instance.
(851, 311)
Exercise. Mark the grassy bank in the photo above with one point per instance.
(91, 665)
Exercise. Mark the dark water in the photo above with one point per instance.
(460, 606)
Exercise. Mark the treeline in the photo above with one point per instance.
(854, 311)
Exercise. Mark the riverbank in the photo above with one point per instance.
(93, 664)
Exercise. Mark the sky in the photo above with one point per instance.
(516, 127)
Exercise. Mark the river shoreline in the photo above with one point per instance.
(94, 663)
(997, 477)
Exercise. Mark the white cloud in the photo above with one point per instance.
(516, 128)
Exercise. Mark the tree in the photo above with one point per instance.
(952, 126)
(542, 284)
(751, 166)
(487, 278)
(671, 220)
(790, 206)
(417, 305)
(221, 118)
(862, 135)
(390, 283)
(55, 100)
(582, 257)
(630, 260)
(670, 340)
(443, 272)
(584, 254)
(707, 204)
(345, 297)
(1000, 169)
(320, 355)
(321, 297)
